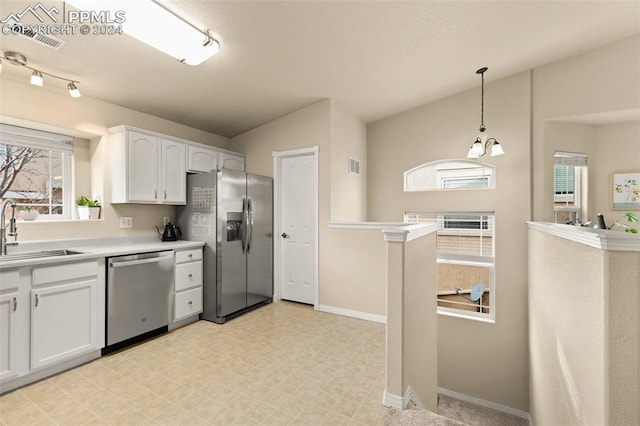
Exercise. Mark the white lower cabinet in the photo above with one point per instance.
(63, 321)
(65, 313)
(51, 319)
(188, 284)
(9, 318)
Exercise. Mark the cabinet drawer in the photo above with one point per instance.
(188, 255)
(64, 272)
(188, 303)
(188, 275)
(9, 280)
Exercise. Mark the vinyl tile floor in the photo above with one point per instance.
(281, 364)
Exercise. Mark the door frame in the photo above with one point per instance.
(277, 181)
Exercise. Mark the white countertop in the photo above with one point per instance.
(90, 248)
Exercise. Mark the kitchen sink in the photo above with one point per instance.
(37, 254)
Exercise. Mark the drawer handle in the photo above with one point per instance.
(15, 304)
(190, 254)
(190, 275)
(190, 303)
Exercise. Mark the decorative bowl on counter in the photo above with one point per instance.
(29, 214)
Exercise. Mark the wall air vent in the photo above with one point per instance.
(18, 28)
(354, 166)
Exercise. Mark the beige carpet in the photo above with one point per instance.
(452, 412)
(411, 417)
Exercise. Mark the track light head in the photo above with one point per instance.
(36, 78)
(73, 90)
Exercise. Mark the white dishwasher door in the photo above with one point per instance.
(138, 294)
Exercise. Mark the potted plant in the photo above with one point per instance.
(631, 217)
(88, 208)
(28, 213)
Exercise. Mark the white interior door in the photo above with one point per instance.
(297, 230)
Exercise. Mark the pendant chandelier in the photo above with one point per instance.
(482, 142)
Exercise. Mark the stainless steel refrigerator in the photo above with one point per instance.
(232, 213)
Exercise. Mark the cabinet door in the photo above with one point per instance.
(8, 335)
(173, 173)
(64, 321)
(201, 160)
(143, 166)
(230, 161)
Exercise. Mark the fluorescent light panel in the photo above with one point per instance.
(154, 25)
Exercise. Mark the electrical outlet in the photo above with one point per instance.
(166, 220)
(126, 222)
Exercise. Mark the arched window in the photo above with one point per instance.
(449, 174)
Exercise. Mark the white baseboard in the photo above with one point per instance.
(353, 314)
(483, 403)
(390, 400)
(411, 396)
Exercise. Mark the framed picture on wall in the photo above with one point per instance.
(625, 191)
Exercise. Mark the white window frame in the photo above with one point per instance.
(482, 260)
(31, 138)
(442, 171)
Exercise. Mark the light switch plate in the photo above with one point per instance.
(166, 220)
(126, 222)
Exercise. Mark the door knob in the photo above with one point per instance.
(284, 235)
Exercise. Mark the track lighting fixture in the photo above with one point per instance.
(37, 76)
(482, 142)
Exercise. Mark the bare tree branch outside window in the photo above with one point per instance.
(32, 177)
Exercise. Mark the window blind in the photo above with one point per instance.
(31, 138)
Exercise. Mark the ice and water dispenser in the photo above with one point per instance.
(234, 226)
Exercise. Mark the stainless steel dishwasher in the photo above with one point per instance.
(138, 297)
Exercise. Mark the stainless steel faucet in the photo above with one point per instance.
(13, 229)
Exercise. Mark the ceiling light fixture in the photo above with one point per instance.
(37, 78)
(482, 143)
(155, 25)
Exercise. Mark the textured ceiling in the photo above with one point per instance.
(375, 58)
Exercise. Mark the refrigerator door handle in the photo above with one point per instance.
(249, 223)
(244, 225)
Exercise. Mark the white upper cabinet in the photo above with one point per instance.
(230, 161)
(173, 176)
(147, 168)
(201, 160)
(143, 166)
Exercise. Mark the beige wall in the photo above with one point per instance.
(584, 332)
(44, 108)
(353, 273)
(609, 148)
(617, 150)
(338, 134)
(569, 137)
(348, 191)
(411, 306)
(600, 81)
(420, 320)
(445, 130)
